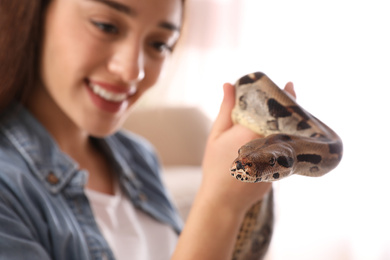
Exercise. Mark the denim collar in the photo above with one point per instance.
(43, 155)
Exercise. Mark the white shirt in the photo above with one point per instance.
(131, 233)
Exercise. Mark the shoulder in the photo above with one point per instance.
(20, 196)
(14, 171)
(17, 182)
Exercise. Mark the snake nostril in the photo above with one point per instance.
(239, 165)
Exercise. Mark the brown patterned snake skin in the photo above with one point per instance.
(295, 143)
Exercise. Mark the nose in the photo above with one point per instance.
(127, 63)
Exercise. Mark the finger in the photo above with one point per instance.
(224, 120)
(289, 88)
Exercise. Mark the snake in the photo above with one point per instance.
(293, 142)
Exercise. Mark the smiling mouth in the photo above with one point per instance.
(106, 94)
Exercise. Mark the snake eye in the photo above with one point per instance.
(242, 102)
(272, 161)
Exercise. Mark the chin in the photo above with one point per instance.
(100, 124)
(101, 130)
(102, 134)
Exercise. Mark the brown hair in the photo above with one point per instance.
(20, 40)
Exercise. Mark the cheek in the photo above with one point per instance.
(68, 53)
(153, 70)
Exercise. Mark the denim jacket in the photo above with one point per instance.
(44, 212)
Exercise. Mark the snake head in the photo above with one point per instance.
(247, 169)
(258, 161)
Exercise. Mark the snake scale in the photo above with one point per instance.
(295, 142)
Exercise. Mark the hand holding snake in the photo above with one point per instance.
(295, 142)
(221, 202)
(225, 207)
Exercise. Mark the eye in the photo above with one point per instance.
(161, 46)
(242, 102)
(272, 161)
(105, 27)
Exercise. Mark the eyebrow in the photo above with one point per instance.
(117, 6)
(169, 26)
(129, 11)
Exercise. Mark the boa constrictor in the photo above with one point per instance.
(295, 142)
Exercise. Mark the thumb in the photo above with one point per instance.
(289, 88)
(224, 121)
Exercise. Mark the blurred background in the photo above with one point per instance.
(337, 54)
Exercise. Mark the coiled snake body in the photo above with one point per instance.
(295, 142)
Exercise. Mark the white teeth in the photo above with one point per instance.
(107, 95)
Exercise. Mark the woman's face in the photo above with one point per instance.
(99, 56)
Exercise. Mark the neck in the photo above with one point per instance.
(70, 138)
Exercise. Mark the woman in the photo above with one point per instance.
(70, 71)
